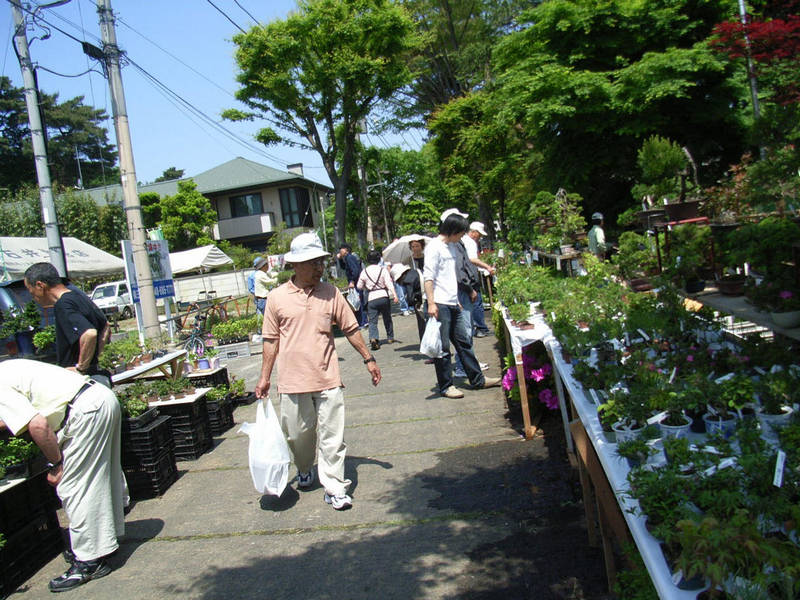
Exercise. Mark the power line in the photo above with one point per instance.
(168, 53)
(226, 16)
(200, 114)
(246, 11)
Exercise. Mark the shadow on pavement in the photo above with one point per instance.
(497, 521)
(136, 533)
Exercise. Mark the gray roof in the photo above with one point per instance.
(238, 173)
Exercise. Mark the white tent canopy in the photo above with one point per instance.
(199, 259)
(83, 260)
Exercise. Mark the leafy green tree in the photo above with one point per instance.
(75, 134)
(78, 216)
(151, 209)
(112, 228)
(169, 174)
(585, 83)
(419, 216)
(187, 218)
(455, 57)
(21, 213)
(324, 67)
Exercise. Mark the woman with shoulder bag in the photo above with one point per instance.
(377, 281)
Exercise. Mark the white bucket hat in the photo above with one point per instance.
(305, 246)
(598, 216)
(479, 227)
(397, 271)
(452, 211)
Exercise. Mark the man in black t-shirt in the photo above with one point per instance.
(81, 327)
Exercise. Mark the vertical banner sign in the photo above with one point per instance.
(158, 257)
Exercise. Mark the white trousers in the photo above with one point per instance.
(92, 489)
(303, 416)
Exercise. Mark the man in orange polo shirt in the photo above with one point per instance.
(297, 332)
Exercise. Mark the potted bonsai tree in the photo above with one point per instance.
(777, 392)
(21, 326)
(724, 405)
(635, 450)
(636, 259)
(687, 254)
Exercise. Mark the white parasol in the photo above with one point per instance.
(399, 252)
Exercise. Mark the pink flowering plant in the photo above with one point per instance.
(538, 377)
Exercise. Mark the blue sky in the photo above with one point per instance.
(184, 44)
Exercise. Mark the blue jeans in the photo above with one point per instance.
(466, 306)
(383, 307)
(478, 315)
(401, 297)
(454, 329)
(261, 304)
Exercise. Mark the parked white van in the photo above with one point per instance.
(114, 299)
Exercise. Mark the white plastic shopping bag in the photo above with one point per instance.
(354, 299)
(268, 451)
(431, 343)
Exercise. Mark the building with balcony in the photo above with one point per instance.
(250, 199)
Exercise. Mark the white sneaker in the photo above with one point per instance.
(483, 366)
(342, 502)
(459, 373)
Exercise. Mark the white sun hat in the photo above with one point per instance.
(305, 246)
(397, 271)
(452, 211)
(479, 227)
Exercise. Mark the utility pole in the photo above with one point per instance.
(37, 138)
(130, 195)
(362, 177)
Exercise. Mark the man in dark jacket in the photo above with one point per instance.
(81, 328)
(352, 266)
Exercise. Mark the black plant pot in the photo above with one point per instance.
(694, 286)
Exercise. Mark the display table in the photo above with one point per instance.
(739, 307)
(170, 365)
(558, 260)
(603, 473)
(616, 471)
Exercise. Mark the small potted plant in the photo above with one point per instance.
(777, 392)
(725, 405)
(635, 450)
(21, 326)
(44, 339)
(633, 410)
(672, 401)
(16, 455)
(212, 355)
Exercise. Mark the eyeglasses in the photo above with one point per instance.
(318, 262)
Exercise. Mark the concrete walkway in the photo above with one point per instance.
(449, 502)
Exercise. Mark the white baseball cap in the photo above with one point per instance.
(479, 227)
(597, 215)
(305, 246)
(398, 270)
(452, 211)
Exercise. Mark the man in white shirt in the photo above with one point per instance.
(597, 237)
(84, 459)
(470, 241)
(441, 291)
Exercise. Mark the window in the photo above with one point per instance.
(296, 208)
(246, 205)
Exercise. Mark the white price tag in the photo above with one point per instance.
(627, 339)
(553, 315)
(725, 377)
(656, 418)
(759, 370)
(672, 376)
(536, 256)
(558, 263)
(644, 335)
(780, 461)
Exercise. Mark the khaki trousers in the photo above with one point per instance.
(306, 416)
(92, 489)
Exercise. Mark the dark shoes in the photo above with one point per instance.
(79, 573)
(374, 344)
